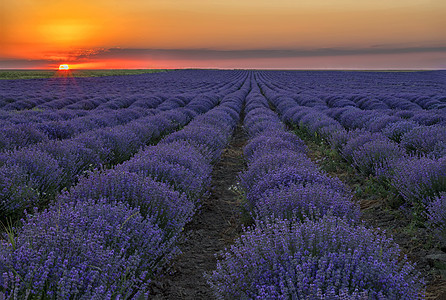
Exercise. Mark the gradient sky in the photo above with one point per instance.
(371, 34)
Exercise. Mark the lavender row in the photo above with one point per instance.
(32, 175)
(402, 155)
(396, 123)
(112, 92)
(113, 232)
(307, 242)
(22, 135)
(365, 90)
(37, 126)
(401, 126)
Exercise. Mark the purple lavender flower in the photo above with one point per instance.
(315, 122)
(259, 166)
(178, 163)
(417, 179)
(396, 130)
(17, 191)
(325, 258)
(38, 174)
(17, 136)
(378, 123)
(72, 157)
(311, 201)
(428, 118)
(436, 215)
(356, 139)
(339, 138)
(273, 140)
(289, 175)
(376, 154)
(426, 140)
(165, 206)
(370, 103)
(208, 136)
(87, 249)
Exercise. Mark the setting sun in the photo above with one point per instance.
(64, 67)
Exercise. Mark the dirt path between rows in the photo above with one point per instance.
(214, 227)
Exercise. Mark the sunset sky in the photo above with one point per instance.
(301, 34)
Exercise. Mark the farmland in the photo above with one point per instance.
(34, 74)
(303, 184)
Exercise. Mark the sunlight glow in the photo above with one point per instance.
(64, 67)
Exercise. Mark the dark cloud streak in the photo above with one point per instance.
(210, 54)
(206, 55)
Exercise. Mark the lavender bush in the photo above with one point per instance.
(72, 157)
(356, 139)
(428, 118)
(28, 177)
(288, 175)
(417, 179)
(299, 201)
(436, 215)
(270, 161)
(156, 200)
(317, 123)
(205, 135)
(18, 136)
(275, 141)
(87, 250)
(121, 142)
(178, 164)
(329, 258)
(426, 140)
(376, 154)
(377, 124)
(338, 139)
(17, 191)
(395, 131)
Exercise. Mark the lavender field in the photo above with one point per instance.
(323, 185)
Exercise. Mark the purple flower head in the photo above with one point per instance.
(17, 136)
(376, 154)
(396, 130)
(378, 123)
(426, 140)
(357, 140)
(324, 259)
(417, 179)
(17, 191)
(311, 201)
(269, 161)
(436, 215)
(156, 200)
(273, 141)
(87, 249)
(289, 175)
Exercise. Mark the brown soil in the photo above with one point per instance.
(213, 228)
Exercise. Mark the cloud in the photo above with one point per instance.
(212, 54)
(215, 55)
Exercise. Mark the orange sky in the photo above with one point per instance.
(223, 33)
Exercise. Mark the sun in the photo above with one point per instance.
(64, 67)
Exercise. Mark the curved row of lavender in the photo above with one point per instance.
(66, 109)
(111, 233)
(391, 126)
(32, 175)
(307, 242)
